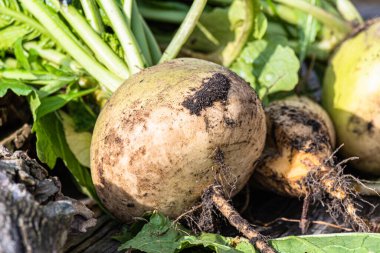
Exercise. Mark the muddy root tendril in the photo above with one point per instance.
(216, 204)
(330, 186)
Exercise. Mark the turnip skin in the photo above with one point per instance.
(150, 151)
(351, 95)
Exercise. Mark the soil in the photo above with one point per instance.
(212, 90)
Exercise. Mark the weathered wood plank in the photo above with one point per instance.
(97, 239)
(34, 215)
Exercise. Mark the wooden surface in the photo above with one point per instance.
(97, 239)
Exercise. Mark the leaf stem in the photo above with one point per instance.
(184, 30)
(163, 15)
(138, 31)
(35, 77)
(321, 15)
(349, 11)
(54, 57)
(60, 33)
(154, 48)
(127, 8)
(283, 12)
(101, 50)
(91, 11)
(233, 50)
(132, 51)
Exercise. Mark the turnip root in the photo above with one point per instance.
(297, 159)
(351, 95)
(158, 142)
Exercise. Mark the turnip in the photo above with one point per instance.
(297, 159)
(351, 94)
(170, 133)
(156, 142)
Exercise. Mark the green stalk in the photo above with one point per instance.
(138, 31)
(36, 77)
(91, 11)
(184, 30)
(154, 48)
(220, 2)
(127, 8)
(330, 8)
(71, 45)
(101, 50)
(233, 50)
(54, 57)
(314, 50)
(162, 15)
(164, 5)
(318, 13)
(132, 51)
(208, 34)
(283, 12)
(349, 11)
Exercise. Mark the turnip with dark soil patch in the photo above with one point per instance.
(173, 131)
(156, 141)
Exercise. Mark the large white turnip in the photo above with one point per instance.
(170, 132)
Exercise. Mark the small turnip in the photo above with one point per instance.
(298, 159)
(171, 131)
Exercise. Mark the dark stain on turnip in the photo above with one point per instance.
(99, 168)
(320, 137)
(359, 126)
(218, 156)
(370, 126)
(230, 122)
(213, 89)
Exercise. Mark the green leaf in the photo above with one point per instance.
(269, 66)
(20, 55)
(52, 87)
(83, 114)
(11, 34)
(217, 243)
(330, 243)
(18, 87)
(162, 235)
(159, 235)
(51, 145)
(130, 231)
(79, 142)
(260, 25)
(53, 103)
